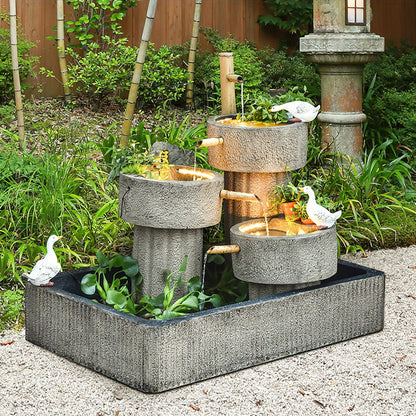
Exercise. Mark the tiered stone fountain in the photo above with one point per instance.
(323, 301)
(301, 297)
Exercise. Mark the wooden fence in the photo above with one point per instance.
(392, 19)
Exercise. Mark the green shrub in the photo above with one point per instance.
(162, 81)
(389, 100)
(292, 16)
(261, 69)
(26, 62)
(283, 71)
(107, 73)
(101, 73)
(93, 18)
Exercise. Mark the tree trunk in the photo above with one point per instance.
(135, 82)
(61, 49)
(192, 53)
(16, 77)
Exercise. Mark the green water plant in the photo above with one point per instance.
(164, 307)
(115, 292)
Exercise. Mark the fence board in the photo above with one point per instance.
(393, 19)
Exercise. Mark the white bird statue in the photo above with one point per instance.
(299, 109)
(47, 268)
(317, 213)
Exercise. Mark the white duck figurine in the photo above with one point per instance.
(47, 268)
(299, 109)
(317, 213)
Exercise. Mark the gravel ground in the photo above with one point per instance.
(371, 375)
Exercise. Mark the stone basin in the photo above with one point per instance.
(179, 203)
(169, 217)
(279, 148)
(154, 356)
(283, 259)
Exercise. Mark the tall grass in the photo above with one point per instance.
(56, 188)
(361, 189)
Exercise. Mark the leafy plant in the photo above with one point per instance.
(284, 193)
(94, 18)
(390, 89)
(106, 72)
(163, 306)
(259, 110)
(149, 166)
(27, 62)
(293, 16)
(115, 293)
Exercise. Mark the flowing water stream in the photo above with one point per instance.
(242, 101)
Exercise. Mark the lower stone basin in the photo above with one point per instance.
(154, 356)
(292, 254)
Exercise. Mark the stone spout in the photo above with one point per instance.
(239, 196)
(225, 249)
(210, 141)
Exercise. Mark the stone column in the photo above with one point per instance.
(341, 49)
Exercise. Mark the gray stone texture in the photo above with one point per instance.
(175, 204)
(284, 260)
(162, 251)
(260, 150)
(337, 48)
(154, 356)
(177, 156)
(329, 16)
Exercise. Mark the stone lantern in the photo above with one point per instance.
(341, 44)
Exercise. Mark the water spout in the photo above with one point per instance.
(243, 196)
(239, 196)
(235, 78)
(225, 249)
(211, 141)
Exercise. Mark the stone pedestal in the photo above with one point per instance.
(341, 58)
(254, 160)
(341, 45)
(169, 217)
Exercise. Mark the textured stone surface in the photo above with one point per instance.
(337, 44)
(176, 204)
(160, 251)
(329, 16)
(177, 156)
(258, 149)
(156, 356)
(284, 260)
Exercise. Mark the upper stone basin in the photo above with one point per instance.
(279, 148)
(179, 203)
(283, 259)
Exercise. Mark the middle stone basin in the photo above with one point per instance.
(178, 203)
(286, 259)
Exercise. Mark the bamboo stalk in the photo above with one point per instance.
(192, 53)
(226, 249)
(239, 196)
(61, 49)
(135, 82)
(16, 75)
(228, 105)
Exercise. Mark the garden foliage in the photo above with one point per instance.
(93, 19)
(390, 100)
(27, 61)
(292, 16)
